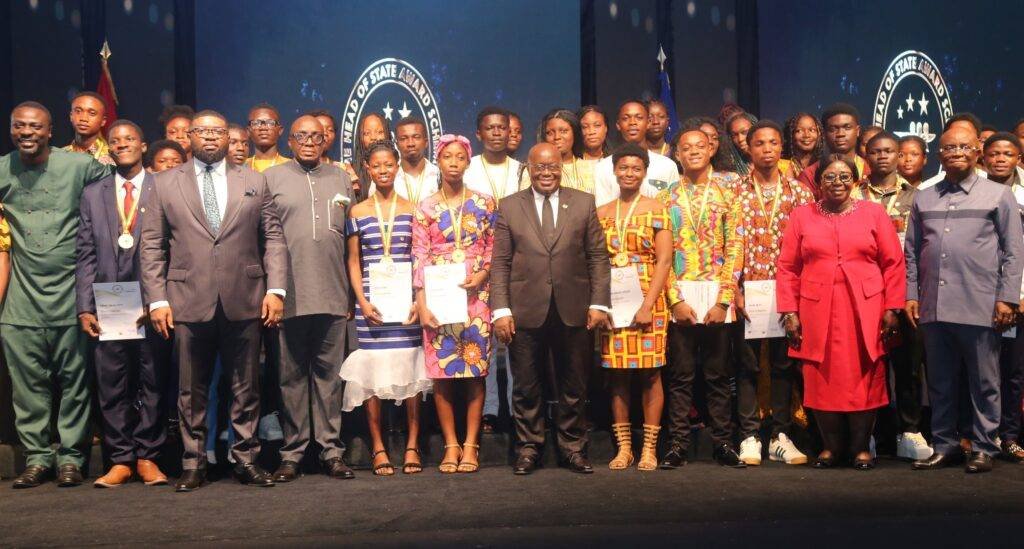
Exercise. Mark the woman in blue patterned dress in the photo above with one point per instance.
(389, 362)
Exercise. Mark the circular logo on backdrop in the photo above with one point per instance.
(395, 89)
(913, 98)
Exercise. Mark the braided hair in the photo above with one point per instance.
(788, 139)
(359, 154)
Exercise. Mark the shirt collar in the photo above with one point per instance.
(537, 197)
(966, 185)
(219, 167)
(136, 181)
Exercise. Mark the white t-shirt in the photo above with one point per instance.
(661, 174)
(410, 187)
(503, 180)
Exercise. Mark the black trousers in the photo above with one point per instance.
(907, 363)
(783, 377)
(1011, 371)
(571, 350)
(130, 378)
(238, 344)
(708, 347)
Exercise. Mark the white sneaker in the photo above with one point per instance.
(782, 449)
(913, 446)
(750, 451)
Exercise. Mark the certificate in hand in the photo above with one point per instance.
(446, 300)
(118, 310)
(627, 296)
(701, 295)
(759, 299)
(391, 290)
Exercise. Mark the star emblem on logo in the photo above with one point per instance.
(923, 104)
(404, 111)
(910, 103)
(899, 113)
(387, 110)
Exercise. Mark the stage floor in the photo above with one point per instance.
(701, 504)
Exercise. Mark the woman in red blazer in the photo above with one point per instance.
(841, 279)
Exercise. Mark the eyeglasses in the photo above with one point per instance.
(961, 148)
(302, 137)
(208, 132)
(263, 123)
(541, 168)
(831, 178)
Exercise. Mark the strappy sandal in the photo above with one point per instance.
(413, 467)
(379, 469)
(470, 467)
(448, 467)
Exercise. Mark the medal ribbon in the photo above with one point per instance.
(387, 227)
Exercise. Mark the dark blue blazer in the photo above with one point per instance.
(99, 257)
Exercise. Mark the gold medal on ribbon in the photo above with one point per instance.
(621, 259)
(126, 241)
(387, 228)
(458, 255)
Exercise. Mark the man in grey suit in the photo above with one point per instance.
(312, 199)
(550, 285)
(211, 246)
(965, 255)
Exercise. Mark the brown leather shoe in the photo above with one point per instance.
(117, 475)
(150, 473)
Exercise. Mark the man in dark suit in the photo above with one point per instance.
(550, 285)
(129, 372)
(211, 246)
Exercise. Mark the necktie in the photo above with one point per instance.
(547, 219)
(210, 200)
(129, 201)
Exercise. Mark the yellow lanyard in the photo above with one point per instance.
(414, 197)
(620, 223)
(775, 202)
(456, 221)
(387, 227)
(504, 179)
(689, 210)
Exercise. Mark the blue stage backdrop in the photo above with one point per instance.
(907, 66)
(440, 60)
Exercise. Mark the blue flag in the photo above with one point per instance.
(666, 98)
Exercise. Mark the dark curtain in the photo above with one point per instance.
(588, 54)
(185, 52)
(94, 32)
(748, 79)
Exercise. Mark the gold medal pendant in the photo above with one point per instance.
(126, 241)
(386, 262)
(458, 256)
(621, 259)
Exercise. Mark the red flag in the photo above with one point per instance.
(105, 88)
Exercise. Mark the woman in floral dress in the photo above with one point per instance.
(455, 225)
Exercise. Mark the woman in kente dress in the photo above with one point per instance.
(638, 235)
(456, 226)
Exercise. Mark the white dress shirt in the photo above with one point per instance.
(136, 181)
(421, 187)
(480, 179)
(538, 202)
(220, 188)
(661, 174)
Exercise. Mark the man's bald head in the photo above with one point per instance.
(306, 140)
(545, 165)
(958, 150)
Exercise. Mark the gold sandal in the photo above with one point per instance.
(649, 452)
(449, 467)
(470, 467)
(379, 469)
(624, 440)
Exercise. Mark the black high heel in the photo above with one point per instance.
(824, 462)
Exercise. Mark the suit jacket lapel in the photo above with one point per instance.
(563, 212)
(110, 206)
(235, 183)
(188, 185)
(143, 196)
(530, 212)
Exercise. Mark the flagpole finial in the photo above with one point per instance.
(661, 56)
(105, 51)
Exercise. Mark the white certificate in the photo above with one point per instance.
(759, 299)
(391, 290)
(627, 296)
(446, 300)
(118, 310)
(701, 296)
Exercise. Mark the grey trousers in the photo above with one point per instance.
(951, 349)
(311, 352)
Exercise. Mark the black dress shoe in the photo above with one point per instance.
(69, 475)
(525, 464)
(191, 479)
(32, 476)
(726, 456)
(336, 468)
(822, 462)
(674, 458)
(253, 475)
(578, 463)
(864, 464)
(287, 472)
(938, 461)
(979, 463)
